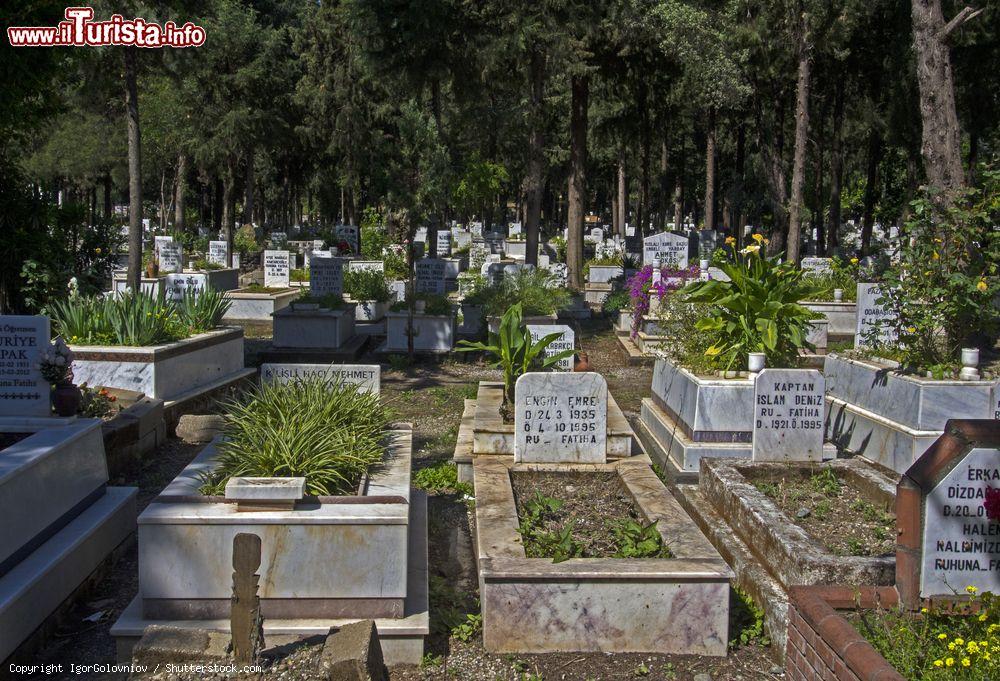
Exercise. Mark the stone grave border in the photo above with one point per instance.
(960, 436)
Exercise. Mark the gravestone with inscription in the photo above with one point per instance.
(366, 266)
(157, 242)
(561, 418)
(788, 420)
(278, 240)
(23, 391)
(326, 276)
(873, 319)
(351, 234)
(171, 257)
(817, 265)
(276, 271)
(178, 284)
(367, 377)
(443, 243)
(430, 274)
(218, 253)
(669, 248)
(567, 341)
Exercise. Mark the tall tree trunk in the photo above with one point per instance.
(710, 171)
(251, 188)
(577, 179)
(737, 219)
(228, 200)
(817, 217)
(536, 158)
(871, 184)
(795, 205)
(661, 214)
(941, 145)
(679, 191)
(163, 200)
(622, 190)
(642, 212)
(836, 168)
(134, 170)
(217, 206)
(180, 197)
(107, 196)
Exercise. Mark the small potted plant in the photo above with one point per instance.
(56, 366)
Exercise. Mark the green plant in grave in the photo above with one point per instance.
(326, 431)
(636, 540)
(131, 318)
(203, 310)
(758, 310)
(514, 352)
(534, 290)
(367, 285)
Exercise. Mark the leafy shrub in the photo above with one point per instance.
(299, 275)
(202, 311)
(433, 305)
(440, 477)
(844, 275)
(366, 285)
(535, 290)
(326, 431)
(245, 240)
(617, 300)
(638, 540)
(943, 284)
(514, 352)
(205, 265)
(758, 310)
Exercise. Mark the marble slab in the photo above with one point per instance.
(561, 418)
(218, 253)
(171, 257)
(432, 333)
(365, 376)
(276, 271)
(23, 391)
(326, 276)
(429, 276)
(603, 274)
(567, 341)
(246, 306)
(667, 248)
(872, 317)
(961, 547)
(710, 409)
(329, 329)
(788, 415)
(842, 317)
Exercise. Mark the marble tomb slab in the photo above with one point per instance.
(561, 418)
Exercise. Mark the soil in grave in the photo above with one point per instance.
(831, 510)
(581, 515)
(11, 439)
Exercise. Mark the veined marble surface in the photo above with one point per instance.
(313, 328)
(703, 404)
(432, 333)
(561, 418)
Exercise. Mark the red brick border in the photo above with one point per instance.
(959, 437)
(823, 646)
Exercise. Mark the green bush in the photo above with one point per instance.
(616, 301)
(202, 311)
(844, 275)
(943, 285)
(245, 240)
(433, 305)
(366, 285)
(534, 290)
(758, 310)
(325, 431)
(299, 275)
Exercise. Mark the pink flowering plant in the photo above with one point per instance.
(642, 290)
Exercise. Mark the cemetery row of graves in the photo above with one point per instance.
(816, 444)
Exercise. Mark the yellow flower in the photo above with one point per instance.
(982, 618)
(982, 285)
(938, 241)
(923, 610)
(942, 637)
(950, 662)
(935, 256)
(759, 238)
(913, 329)
(938, 663)
(966, 662)
(960, 641)
(97, 250)
(752, 248)
(951, 646)
(854, 261)
(730, 241)
(971, 589)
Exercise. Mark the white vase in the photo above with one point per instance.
(755, 362)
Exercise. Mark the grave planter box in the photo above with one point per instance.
(783, 548)
(169, 371)
(595, 294)
(892, 418)
(690, 417)
(247, 306)
(841, 316)
(339, 556)
(152, 285)
(623, 323)
(432, 333)
(532, 605)
(60, 520)
(604, 274)
(455, 266)
(493, 321)
(369, 310)
(225, 279)
(515, 249)
(317, 328)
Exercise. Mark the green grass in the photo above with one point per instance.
(441, 477)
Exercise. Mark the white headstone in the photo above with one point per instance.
(515, 228)
(597, 235)
(788, 415)
(817, 265)
(326, 276)
(159, 241)
(218, 252)
(462, 238)
(961, 547)
(365, 266)
(171, 257)
(430, 275)
(366, 376)
(565, 342)
(351, 234)
(872, 317)
(236, 260)
(443, 243)
(561, 418)
(670, 249)
(276, 270)
(23, 391)
(177, 284)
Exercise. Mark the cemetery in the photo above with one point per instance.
(366, 341)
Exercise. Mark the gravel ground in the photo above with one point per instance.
(431, 396)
